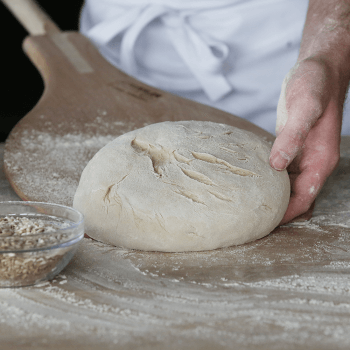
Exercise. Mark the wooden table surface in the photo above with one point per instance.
(289, 290)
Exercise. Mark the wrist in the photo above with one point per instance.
(326, 35)
(332, 50)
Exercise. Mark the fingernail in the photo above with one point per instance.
(278, 162)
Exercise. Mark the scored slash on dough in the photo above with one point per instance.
(220, 196)
(212, 159)
(238, 155)
(190, 196)
(195, 175)
(160, 157)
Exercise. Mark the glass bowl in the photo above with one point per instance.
(37, 240)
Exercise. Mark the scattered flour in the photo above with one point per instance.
(57, 174)
(239, 299)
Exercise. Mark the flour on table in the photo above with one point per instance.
(52, 163)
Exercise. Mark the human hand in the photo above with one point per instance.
(309, 116)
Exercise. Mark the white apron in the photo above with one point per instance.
(229, 54)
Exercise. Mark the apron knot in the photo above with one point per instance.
(203, 55)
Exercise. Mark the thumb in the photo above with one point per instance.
(286, 146)
(301, 118)
(282, 114)
(301, 104)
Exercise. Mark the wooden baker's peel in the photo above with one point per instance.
(85, 98)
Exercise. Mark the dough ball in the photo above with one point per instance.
(182, 186)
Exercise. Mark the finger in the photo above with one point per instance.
(309, 171)
(305, 189)
(305, 216)
(301, 118)
(304, 97)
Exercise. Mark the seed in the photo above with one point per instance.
(23, 268)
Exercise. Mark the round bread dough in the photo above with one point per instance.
(182, 186)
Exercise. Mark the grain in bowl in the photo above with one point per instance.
(37, 240)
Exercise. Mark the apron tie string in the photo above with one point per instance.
(204, 56)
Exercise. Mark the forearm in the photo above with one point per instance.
(326, 34)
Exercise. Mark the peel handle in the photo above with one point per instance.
(32, 17)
